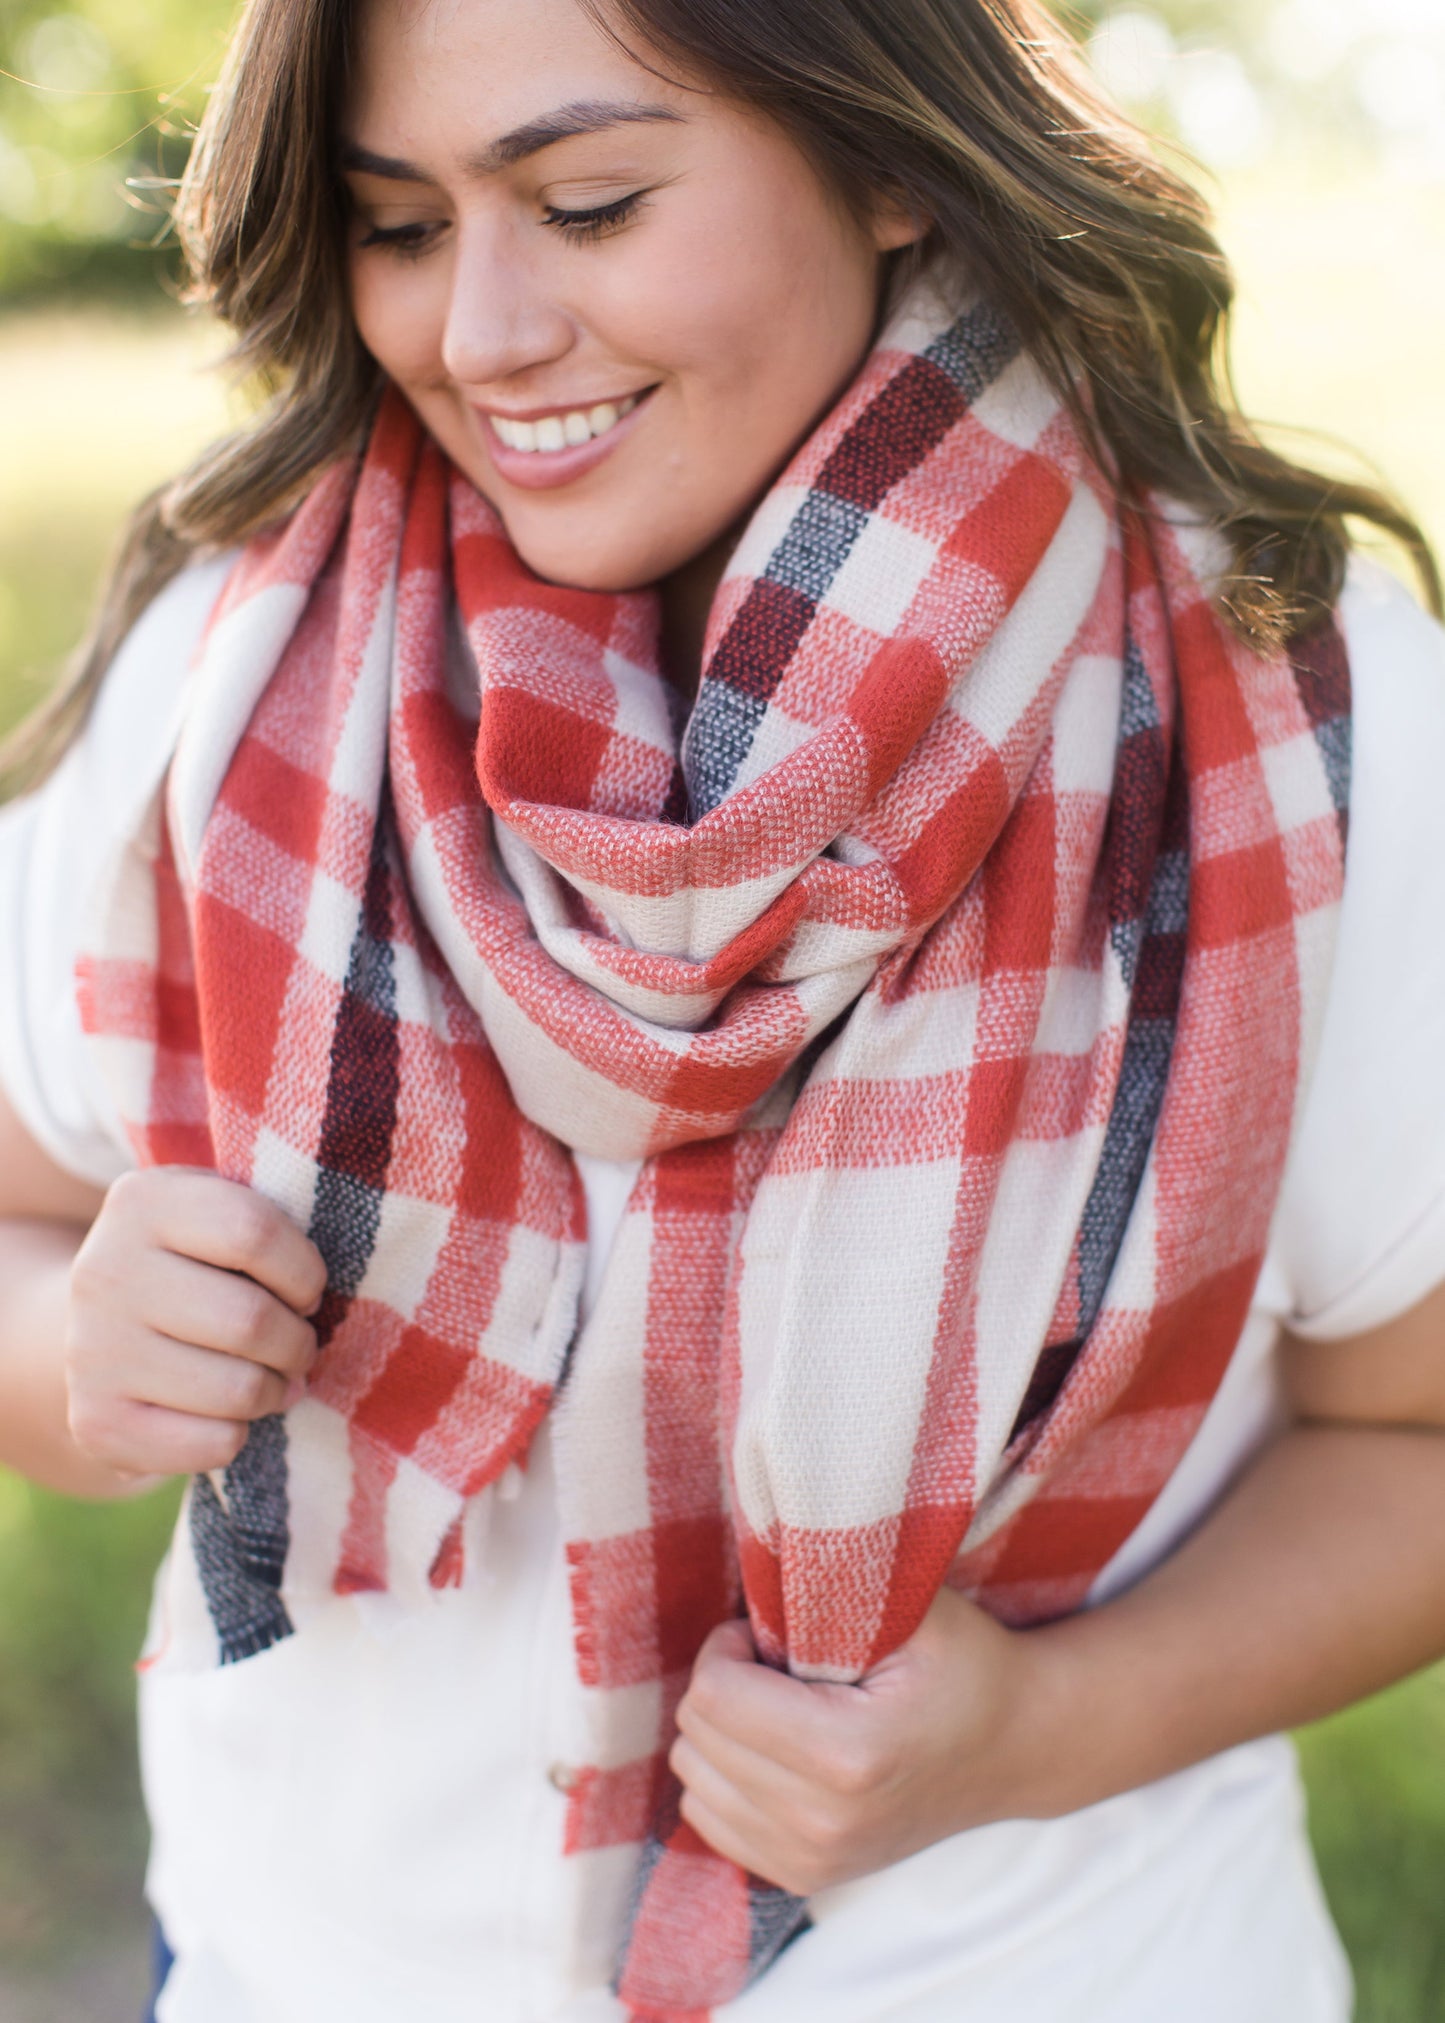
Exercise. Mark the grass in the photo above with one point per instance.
(1376, 1781)
(95, 409)
(1343, 299)
(73, 1581)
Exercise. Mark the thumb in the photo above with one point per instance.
(731, 1643)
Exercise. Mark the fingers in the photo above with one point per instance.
(186, 1321)
(803, 1828)
(722, 1837)
(203, 1383)
(220, 1310)
(784, 1720)
(733, 1780)
(801, 1782)
(782, 1831)
(730, 1642)
(737, 1830)
(147, 1440)
(747, 1769)
(218, 1222)
(813, 1784)
(140, 1381)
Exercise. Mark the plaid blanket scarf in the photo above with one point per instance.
(952, 966)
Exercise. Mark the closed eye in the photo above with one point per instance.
(596, 221)
(410, 241)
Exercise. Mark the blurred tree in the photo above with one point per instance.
(1241, 81)
(98, 92)
(95, 93)
(104, 92)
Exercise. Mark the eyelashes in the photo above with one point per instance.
(596, 222)
(411, 241)
(408, 241)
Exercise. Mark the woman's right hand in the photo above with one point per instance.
(188, 1319)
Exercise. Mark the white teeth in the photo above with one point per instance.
(568, 429)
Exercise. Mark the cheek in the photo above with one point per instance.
(759, 341)
(400, 312)
(763, 305)
(754, 327)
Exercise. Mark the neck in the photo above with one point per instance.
(686, 597)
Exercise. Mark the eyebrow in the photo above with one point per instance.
(585, 116)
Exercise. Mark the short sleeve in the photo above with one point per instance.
(1359, 1235)
(54, 844)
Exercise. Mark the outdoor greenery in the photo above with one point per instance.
(100, 94)
(94, 95)
(1341, 254)
(96, 408)
(73, 1581)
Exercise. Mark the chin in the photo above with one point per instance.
(603, 563)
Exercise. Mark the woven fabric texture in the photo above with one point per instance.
(953, 965)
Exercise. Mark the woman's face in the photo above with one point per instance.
(617, 302)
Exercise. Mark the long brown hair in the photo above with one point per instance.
(983, 119)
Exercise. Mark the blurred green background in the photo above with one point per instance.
(1319, 128)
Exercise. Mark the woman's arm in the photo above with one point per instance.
(44, 1214)
(1319, 1578)
(143, 1328)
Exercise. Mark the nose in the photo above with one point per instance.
(500, 319)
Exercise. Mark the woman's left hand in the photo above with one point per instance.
(810, 1785)
(1315, 1580)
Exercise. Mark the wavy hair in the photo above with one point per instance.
(979, 114)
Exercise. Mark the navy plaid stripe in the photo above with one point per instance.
(240, 1545)
(890, 439)
(1321, 668)
(1148, 835)
(775, 1919)
(808, 557)
(361, 1101)
(975, 351)
(1136, 810)
(720, 738)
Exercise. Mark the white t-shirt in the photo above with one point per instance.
(365, 1822)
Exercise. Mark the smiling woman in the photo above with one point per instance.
(720, 1075)
(602, 255)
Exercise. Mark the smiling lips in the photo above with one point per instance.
(545, 449)
(567, 428)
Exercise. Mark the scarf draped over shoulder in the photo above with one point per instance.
(953, 967)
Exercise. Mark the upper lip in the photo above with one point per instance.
(583, 405)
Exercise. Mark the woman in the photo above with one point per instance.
(709, 1047)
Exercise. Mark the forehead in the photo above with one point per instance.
(477, 68)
